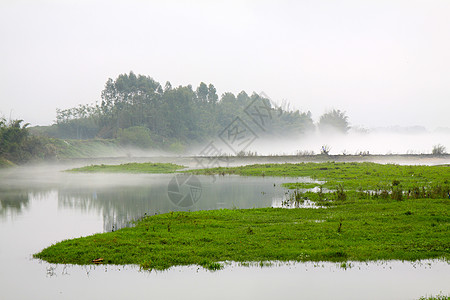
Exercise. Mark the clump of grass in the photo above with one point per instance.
(212, 266)
(340, 194)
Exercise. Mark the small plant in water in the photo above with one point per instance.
(325, 150)
(345, 265)
(212, 266)
(439, 150)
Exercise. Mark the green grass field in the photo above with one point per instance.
(352, 175)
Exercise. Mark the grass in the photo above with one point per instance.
(357, 225)
(352, 175)
(131, 168)
(407, 230)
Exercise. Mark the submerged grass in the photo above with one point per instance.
(131, 168)
(408, 230)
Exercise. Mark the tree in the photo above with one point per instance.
(202, 92)
(212, 96)
(12, 139)
(334, 121)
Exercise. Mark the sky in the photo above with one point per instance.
(384, 63)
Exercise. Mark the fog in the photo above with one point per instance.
(353, 143)
(385, 63)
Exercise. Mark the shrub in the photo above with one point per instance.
(439, 150)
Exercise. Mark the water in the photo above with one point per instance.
(41, 205)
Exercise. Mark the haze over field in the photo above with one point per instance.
(385, 63)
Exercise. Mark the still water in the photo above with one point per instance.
(42, 205)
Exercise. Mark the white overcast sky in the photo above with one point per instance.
(383, 62)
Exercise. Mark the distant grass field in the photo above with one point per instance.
(131, 168)
(351, 175)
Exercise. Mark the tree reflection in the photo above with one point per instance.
(121, 205)
(12, 201)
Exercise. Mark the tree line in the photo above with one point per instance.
(137, 109)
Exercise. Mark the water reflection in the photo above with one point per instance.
(119, 205)
(14, 200)
(121, 199)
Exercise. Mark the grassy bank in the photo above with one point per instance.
(405, 230)
(131, 168)
(86, 148)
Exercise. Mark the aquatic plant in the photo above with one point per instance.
(438, 150)
(340, 194)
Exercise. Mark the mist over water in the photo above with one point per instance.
(352, 143)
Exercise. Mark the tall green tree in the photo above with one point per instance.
(202, 92)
